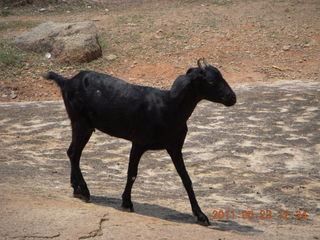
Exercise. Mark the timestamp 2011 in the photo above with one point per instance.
(259, 214)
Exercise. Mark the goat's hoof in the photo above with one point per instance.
(84, 198)
(127, 207)
(203, 220)
(82, 194)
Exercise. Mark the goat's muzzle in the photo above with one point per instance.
(230, 99)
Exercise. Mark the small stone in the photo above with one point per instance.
(42, 10)
(48, 55)
(111, 57)
(286, 48)
(134, 64)
(13, 95)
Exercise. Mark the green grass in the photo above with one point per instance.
(18, 24)
(5, 13)
(11, 56)
(138, 16)
(221, 2)
(122, 20)
(180, 37)
(211, 22)
(213, 25)
(103, 44)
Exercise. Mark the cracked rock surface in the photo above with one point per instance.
(262, 154)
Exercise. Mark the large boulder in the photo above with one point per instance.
(66, 42)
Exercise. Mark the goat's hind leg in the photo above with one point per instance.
(81, 134)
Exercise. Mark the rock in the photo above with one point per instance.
(48, 55)
(13, 95)
(111, 57)
(286, 48)
(66, 42)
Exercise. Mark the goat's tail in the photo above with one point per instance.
(56, 77)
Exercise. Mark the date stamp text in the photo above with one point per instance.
(259, 214)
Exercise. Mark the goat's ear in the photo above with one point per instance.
(190, 70)
(195, 70)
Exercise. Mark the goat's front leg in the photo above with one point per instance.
(135, 155)
(178, 162)
(80, 136)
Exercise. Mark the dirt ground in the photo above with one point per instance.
(275, 162)
(155, 41)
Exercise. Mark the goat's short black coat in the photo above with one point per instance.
(139, 114)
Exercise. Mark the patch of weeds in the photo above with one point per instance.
(138, 16)
(122, 20)
(11, 57)
(179, 36)
(304, 42)
(7, 58)
(103, 44)
(221, 3)
(191, 1)
(5, 13)
(211, 22)
(107, 41)
(134, 37)
(275, 37)
(18, 24)
(213, 25)
(128, 19)
(95, 65)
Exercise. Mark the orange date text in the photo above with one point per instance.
(259, 214)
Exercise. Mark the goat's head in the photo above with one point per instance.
(210, 84)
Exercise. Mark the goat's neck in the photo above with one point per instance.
(183, 98)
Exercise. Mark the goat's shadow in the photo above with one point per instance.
(153, 210)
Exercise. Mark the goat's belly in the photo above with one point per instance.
(119, 131)
(150, 138)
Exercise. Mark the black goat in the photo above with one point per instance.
(150, 118)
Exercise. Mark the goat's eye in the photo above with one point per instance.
(211, 81)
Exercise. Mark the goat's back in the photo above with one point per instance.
(116, 107)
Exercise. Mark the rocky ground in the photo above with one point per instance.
(262, 155)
